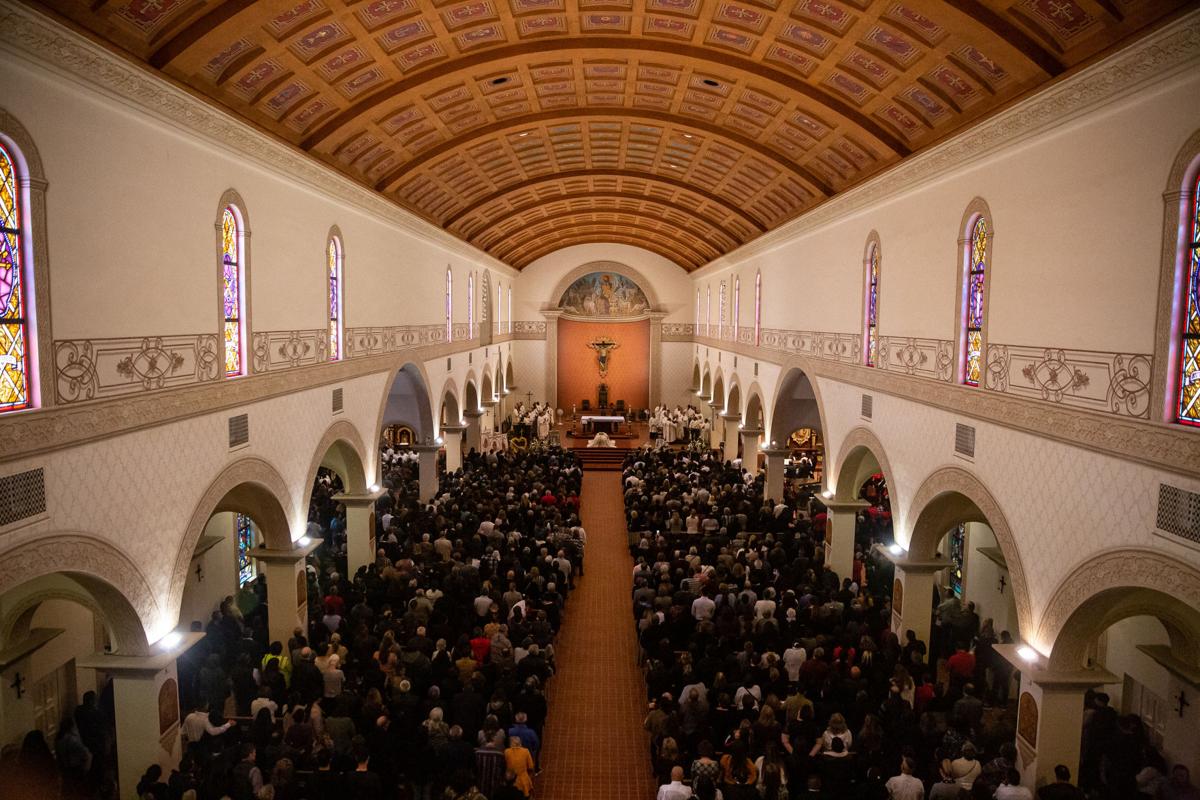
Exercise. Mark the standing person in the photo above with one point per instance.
(520, 763)
(675, 790)
(1061, 789)
(905, 786)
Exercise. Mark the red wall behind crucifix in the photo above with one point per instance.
(628, 365)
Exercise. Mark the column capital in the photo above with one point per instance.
(146, 666)
(845, 505)
(731, 417)
(489, 403)
(426, 448)
(751, 432)
(913, 566)
(453, 428)
(473, 414)
(297, 552)
(775, 452)
(363, 499)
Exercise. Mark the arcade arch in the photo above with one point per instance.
(406, 403)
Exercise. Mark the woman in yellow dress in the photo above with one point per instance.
(520, 763)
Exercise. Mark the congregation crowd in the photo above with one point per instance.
(770, 677)
(421, 676)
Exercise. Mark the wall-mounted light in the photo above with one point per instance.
(374, 487)
(826, 494)
(439, 440)
(171, 640)
(895, 549)
(1027, 653)
(304, 541)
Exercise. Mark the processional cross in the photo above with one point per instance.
(603, 347)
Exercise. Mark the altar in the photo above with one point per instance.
(598, 424)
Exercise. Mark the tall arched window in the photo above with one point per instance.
(974, 295)
(697, 309)
(736, 320)
(14, 320)
(758, 308)
(471, 304)
(233, 288)
(449, 304)
(1188, 406)
(871, 306)
(499, 306)
(708, 310)
(333, 267)
(510, 320)
(721, 312)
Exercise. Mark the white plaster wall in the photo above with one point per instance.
(981, 580)
(538, 280)
(1077, 215)
(131, 208)
(529, 368)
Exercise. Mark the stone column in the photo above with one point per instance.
(551, 356)
(839, 534)
(146, 702)
(716, 428)
(773, 489)
(750, 438)
(287, 587)
(488, 423)
(912, 595)
(452, 441)
(1049, 714)
(656, 318)
(732, 434)
(427, 470)
(360, 528)
(473, 440)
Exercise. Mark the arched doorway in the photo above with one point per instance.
(341, 504)
(796, 407)
(1125, 624)
(407, 404)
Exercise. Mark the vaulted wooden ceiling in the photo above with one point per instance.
(687, 127)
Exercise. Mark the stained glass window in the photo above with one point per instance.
(449, 305)
(708, 311)
(721, 312)
(14, 326)
(245, 543)
(334, 263)
(973, 291)
(232, 288)
(737, 307)
(1189, 345)
(958, 556)
(510, 321)
(758, 308)
(872, 311)
(697, 310)
(470, 305)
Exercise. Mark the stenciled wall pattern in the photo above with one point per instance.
(276, 350)
(91, 369)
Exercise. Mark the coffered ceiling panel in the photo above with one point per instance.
(688, 127)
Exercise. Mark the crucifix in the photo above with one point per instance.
(1181, 703)
(603, 347)
(199, 572)
(18, 684)
(1003, 583)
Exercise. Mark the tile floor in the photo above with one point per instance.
(595, 746)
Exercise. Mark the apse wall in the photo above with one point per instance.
(628, 376)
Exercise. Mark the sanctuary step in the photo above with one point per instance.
(600, 458)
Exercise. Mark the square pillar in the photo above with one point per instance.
(1049, 713)
(452, 441)
(146, 703)
(473, 439)
(750, 437)
(360, 528)
(840, 523)
(488, 423)
(287, 587)
(912, 596)
(774, 486)
(427, 471)
(732, 434)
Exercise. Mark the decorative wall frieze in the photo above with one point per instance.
(1111, 432)
(529, 329)
(32, 37)
(925, 358)
(678, 331)
(843, 347)
(94, 369)
(276, 350)
(369, 341)
(1113, 383)
(1169, 50)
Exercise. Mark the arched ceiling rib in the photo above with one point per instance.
(472, 113)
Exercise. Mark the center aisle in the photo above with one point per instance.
(595, 745)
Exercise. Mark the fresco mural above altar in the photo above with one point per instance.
(604, 294)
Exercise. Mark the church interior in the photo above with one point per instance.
(624, 399)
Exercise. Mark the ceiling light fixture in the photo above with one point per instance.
(503, 79)
(710, 82)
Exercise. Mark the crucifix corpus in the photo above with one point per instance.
(603, 347)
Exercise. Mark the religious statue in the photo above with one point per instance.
(603, 347)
